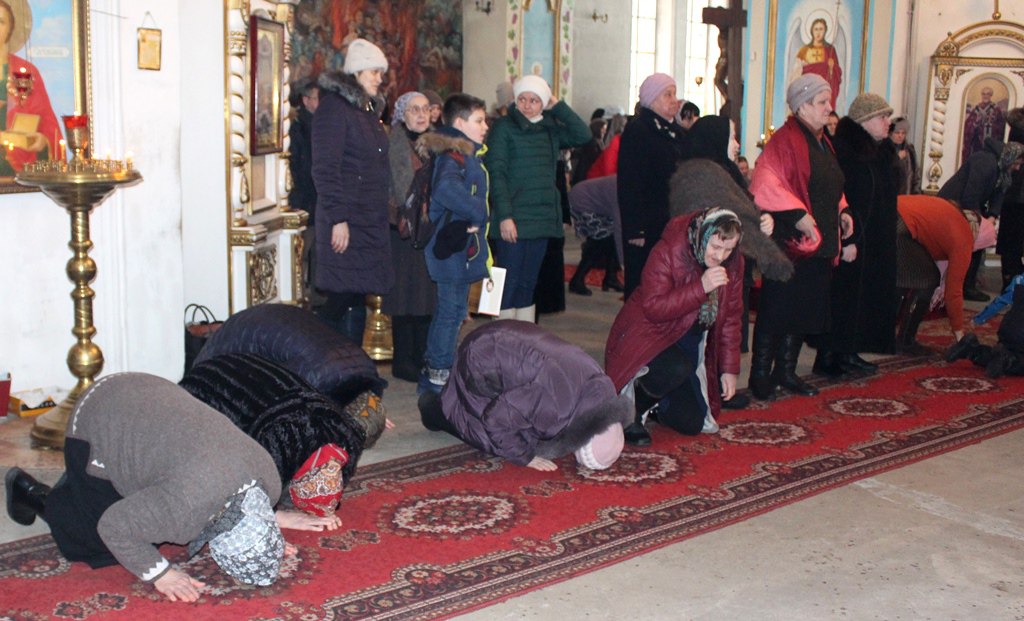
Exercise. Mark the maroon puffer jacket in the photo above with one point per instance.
(665, 306)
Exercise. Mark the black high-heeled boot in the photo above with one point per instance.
(26, 497)
(761, 384)
(785, 366)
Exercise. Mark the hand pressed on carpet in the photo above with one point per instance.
(177, 586)
(297, 520)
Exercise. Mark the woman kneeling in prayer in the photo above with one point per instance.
(676, 340)
(147, 463)
(520, 392)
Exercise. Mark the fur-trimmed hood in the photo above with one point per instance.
(442, 141)
(699, 184)
(586, 425)
(346, 87)
(852, 140)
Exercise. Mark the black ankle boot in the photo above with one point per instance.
(761, 385)
(26, 497)
(636, 434)
(855, 364)
(588, 257)
(785, 366)
(825, 363)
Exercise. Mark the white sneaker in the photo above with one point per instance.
(710, 425)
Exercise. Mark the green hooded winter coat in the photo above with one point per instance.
(521, 159)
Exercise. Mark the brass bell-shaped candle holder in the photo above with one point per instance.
(377, 339)
(78, 186)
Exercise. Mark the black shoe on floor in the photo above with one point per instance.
(612, 285)
(962, 348)
(26, 497)
(795, 385)
(973, 295)
(854, 363)
(826, 364)
(738, 402)
(637, 435)
(579, 288)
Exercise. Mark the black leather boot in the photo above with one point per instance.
(636, 434)
(825, 363)
(853, 363)
(610, 254)
(578, 282)
(785, 366)
(26, 497)
(761, 384)
(912, 312)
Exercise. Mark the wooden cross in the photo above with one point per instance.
(729, 74)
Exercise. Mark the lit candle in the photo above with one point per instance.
(62, 149)
(77, 120)
(128, 160)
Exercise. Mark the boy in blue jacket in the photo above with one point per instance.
(457, 254)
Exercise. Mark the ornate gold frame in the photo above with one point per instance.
(769, 80)
(260, 224)
(82, 46)
(946, 88)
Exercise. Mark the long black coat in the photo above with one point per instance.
(649, 152)
(864, 291)
(351, 173)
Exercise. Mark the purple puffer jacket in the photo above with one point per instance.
(519, 392)
(351, 172)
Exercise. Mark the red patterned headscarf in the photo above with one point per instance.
(317, 486)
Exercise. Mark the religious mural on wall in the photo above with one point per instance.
(826, 37)
(422, 40)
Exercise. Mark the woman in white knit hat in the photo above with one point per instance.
(352, 175)
(526, 208)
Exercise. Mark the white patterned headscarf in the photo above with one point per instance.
(245, 540)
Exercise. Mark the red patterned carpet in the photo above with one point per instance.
(448, 531)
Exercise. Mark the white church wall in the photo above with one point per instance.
(483, 49)
(137, 233)
(601, 59)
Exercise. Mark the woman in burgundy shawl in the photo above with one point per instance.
(798, 179)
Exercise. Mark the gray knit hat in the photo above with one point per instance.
(803, 89)
(868, 105)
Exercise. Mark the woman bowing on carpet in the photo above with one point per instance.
(147, 463)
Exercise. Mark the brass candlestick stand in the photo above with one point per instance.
(377, 341)
(78, 186)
